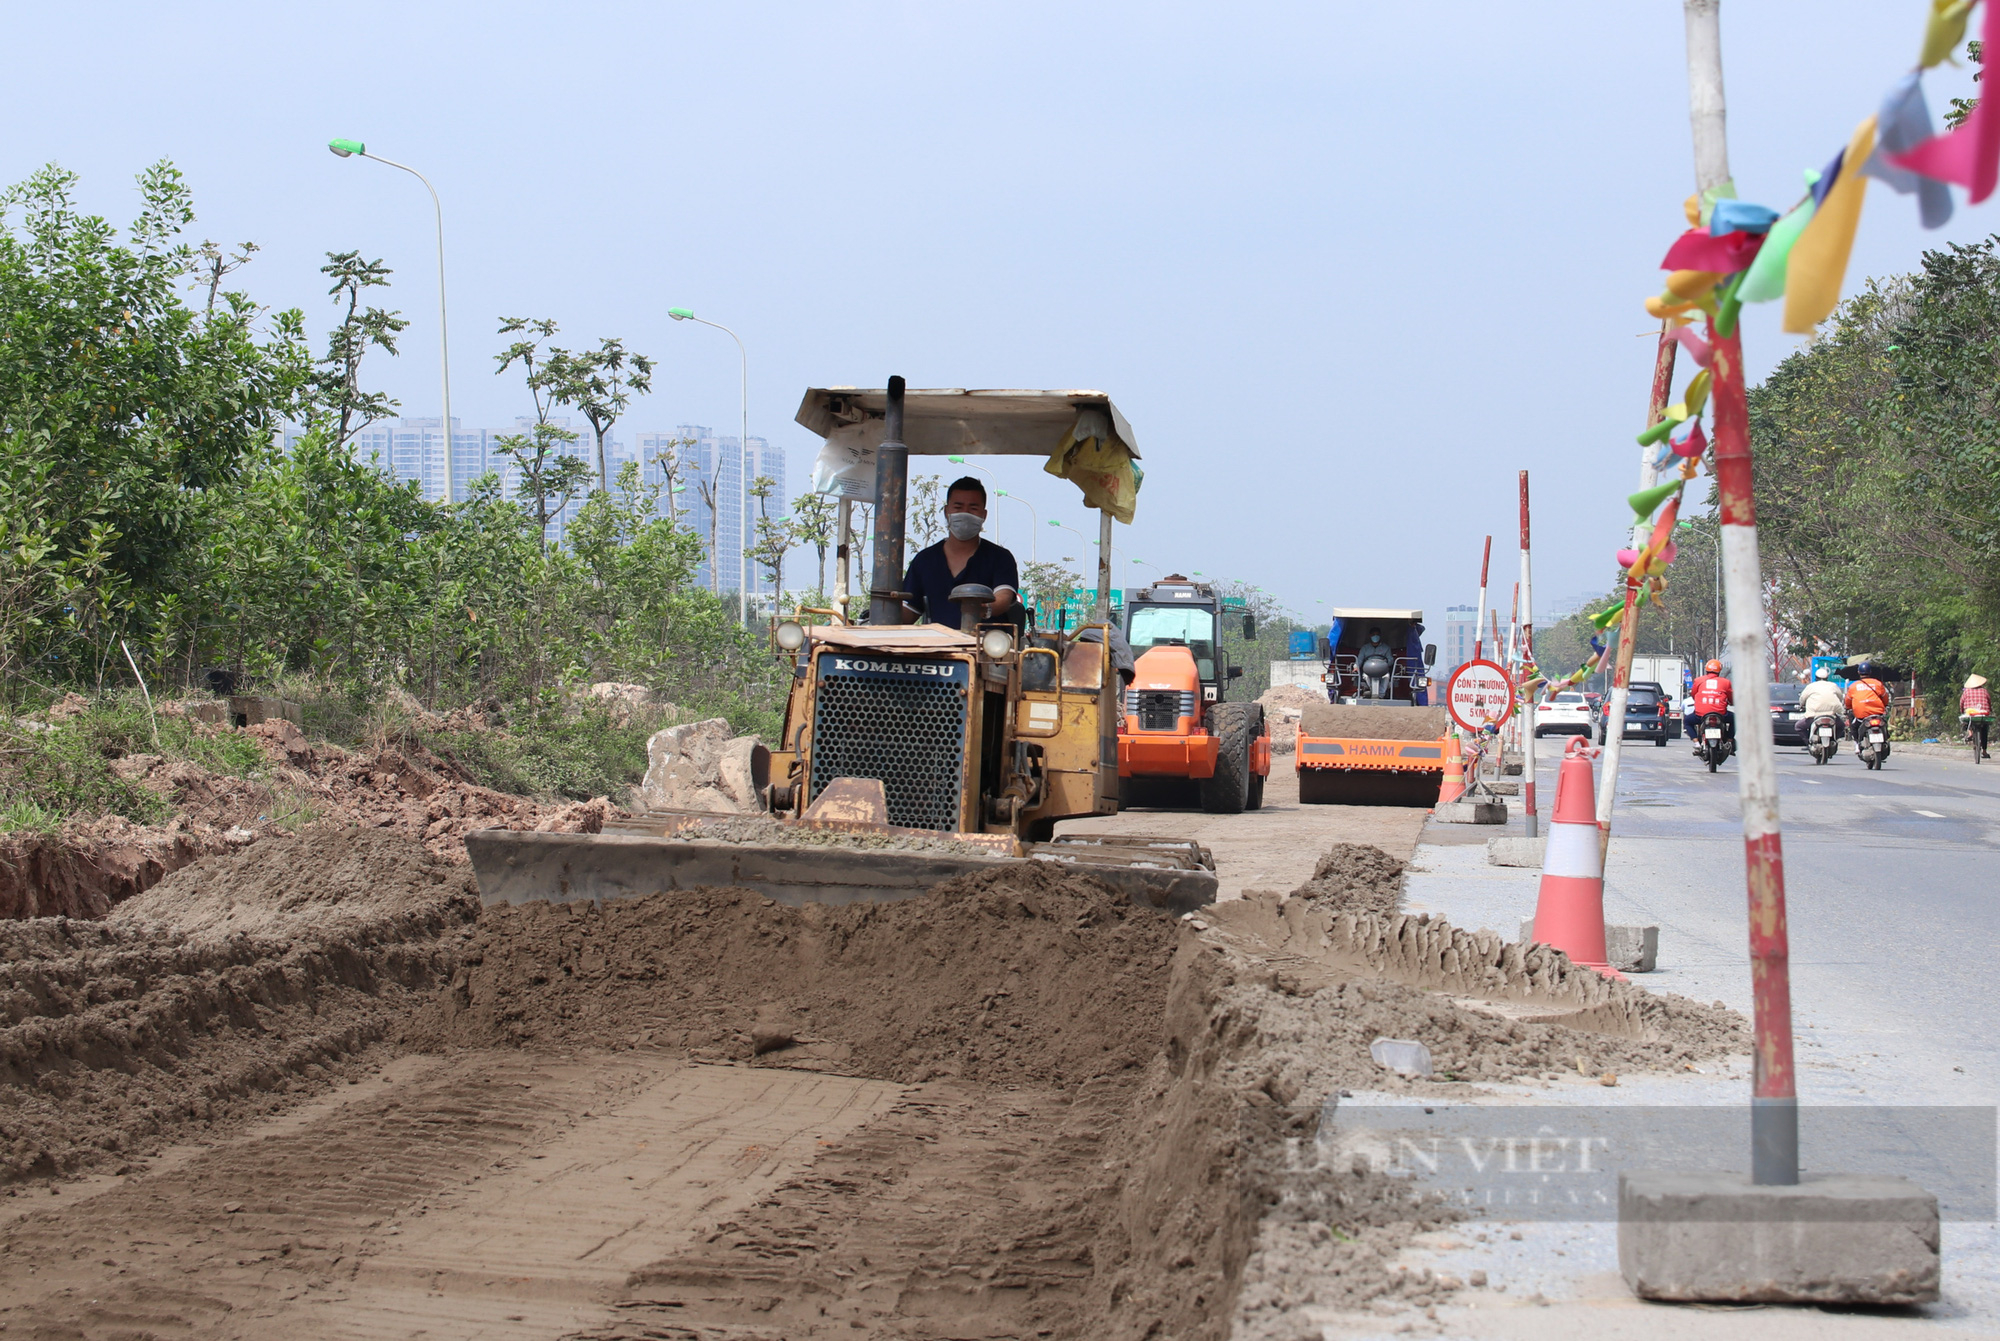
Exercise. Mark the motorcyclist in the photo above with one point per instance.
(1711, 692)
(1867, 697)
(1822, 698)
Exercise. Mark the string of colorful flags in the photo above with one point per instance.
(1736, 252)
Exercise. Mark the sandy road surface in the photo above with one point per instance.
(492, 1193)
(1274, 847)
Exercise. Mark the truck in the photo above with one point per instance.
(1669, 672)
(1181, 741)
(1378, 740)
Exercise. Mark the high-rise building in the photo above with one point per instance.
(709, 465)
(1460, 631)
(712, 466)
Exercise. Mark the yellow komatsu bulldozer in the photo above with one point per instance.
(920, 731)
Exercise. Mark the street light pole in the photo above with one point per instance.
(743, 445)
(1033, 549)
(356, 149)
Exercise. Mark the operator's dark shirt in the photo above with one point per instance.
(930, 579)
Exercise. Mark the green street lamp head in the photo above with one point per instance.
(680, 314)
(1054, 522)
(956, 460)
(347, 148)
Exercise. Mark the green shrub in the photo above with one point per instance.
(555, 756)
(47, 776)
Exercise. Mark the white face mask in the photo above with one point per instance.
(964, 525)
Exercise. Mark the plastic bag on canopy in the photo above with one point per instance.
(1091, 457)
(845, 466)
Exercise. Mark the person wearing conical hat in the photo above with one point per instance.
(1977, 705)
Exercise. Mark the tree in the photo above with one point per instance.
(705, 489)
(927, 508)
(599, 383)
(812, 523)
(1048, 585)
(121, 410)
(210, 266)
(334, 401)
(774, 535)
(549, 471)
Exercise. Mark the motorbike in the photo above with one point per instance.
(1871, 740)
(1821, 740)
(1714, 744)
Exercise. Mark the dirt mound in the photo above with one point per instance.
(1355, 875)
(235, 980)
(91, 866)
(1283, 705)
(1027, 973)
(1370, 723)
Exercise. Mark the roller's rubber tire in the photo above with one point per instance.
(1228, 790)
(1255, 800)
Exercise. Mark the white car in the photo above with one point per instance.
(1565, 715)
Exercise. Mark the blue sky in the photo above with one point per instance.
(1345, 268)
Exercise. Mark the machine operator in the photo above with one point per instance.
(959, 558)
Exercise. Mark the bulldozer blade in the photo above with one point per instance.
(516, 867)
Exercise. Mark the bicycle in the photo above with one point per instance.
(1972, 736)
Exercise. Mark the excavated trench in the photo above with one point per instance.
(1014, 1106)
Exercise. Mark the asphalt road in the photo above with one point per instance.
(1893, 891)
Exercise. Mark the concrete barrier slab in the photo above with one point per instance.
(1834, 1238)
(1471, 812)
(1627, 949)
(1516, 851)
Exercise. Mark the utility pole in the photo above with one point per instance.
(1774, 1113)
(1527, 673)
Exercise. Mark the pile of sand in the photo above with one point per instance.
(1355, 875)
(1026, 973)
(235, 980)
(1284, 705)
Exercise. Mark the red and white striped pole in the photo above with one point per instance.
(1774, 1111)
(1527, 672)
(1479, 624)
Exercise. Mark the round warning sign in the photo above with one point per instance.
(1479, 695)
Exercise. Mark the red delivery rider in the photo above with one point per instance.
(1712, 692)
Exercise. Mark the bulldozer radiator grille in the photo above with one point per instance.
(897, 719)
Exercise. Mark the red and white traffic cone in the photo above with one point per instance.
(1569, 911)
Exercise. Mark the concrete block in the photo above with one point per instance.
(1471, 812)
(1516, 852)
(1627, 949)
(1504, 786)
(1835, 1238)
(250, 709)
(1511, 764)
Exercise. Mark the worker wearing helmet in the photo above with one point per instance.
(1822, 698)
(1867, 697)
(1712, 692)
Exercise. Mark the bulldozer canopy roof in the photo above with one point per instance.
(953, 421)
